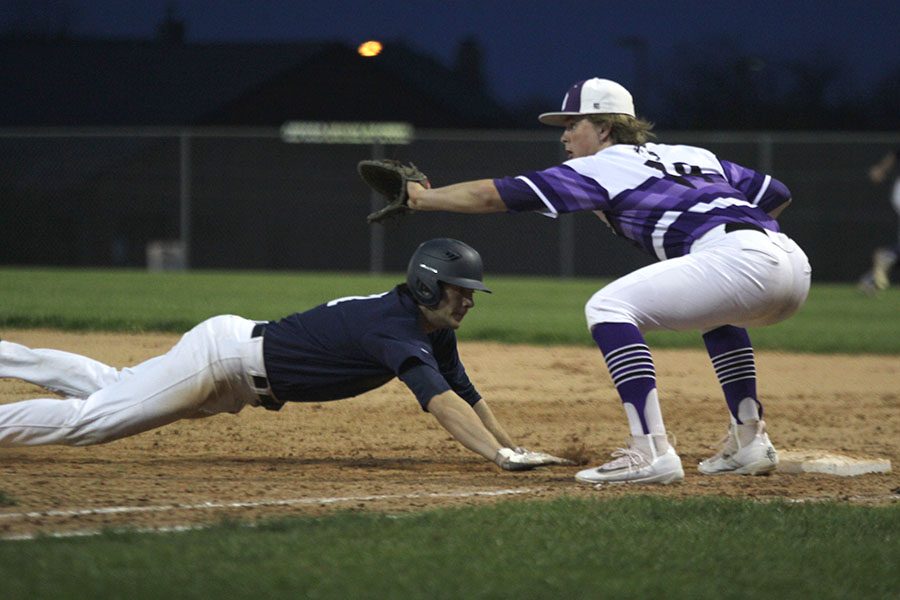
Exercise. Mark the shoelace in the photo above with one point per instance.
(626, 458)
(728, 444)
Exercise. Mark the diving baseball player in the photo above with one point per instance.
(340, 349)
(723, 266)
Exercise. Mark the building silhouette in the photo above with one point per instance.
(60, 81)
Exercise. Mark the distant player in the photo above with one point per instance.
(340, 349)
(878, 278)
(723, 266)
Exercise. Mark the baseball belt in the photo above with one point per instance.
(267, 401)
(729, 227)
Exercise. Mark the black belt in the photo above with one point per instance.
(729, 227)
(265, 400)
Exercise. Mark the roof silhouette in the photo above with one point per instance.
(87, 82)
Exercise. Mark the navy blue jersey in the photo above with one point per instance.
(355, 344)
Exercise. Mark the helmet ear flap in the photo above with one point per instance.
(427, 292)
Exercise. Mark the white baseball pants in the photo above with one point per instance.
(208, 371)
(744, 278)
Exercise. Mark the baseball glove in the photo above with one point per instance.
(389, 178)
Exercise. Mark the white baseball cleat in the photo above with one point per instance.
(639, 463)
(754, 457)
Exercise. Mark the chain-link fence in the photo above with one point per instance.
(247, 199)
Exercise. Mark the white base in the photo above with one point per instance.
(816, 461)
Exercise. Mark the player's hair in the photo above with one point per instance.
(625, 129)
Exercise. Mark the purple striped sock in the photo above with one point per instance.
(732, 357)
(629, 362)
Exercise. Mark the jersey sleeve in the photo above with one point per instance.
(394, 353)
(423, 380)
(413, 361)
(559, 189)
(761, 190)
(451, 367)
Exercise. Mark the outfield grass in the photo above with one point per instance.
(638, 547)
(836, 318)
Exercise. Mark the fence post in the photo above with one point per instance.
(376, 230)
(566, 237)
(185, 196)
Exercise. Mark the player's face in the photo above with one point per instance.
(453, 307)
(580, 138)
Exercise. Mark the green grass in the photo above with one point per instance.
(637, 547)
(836, 318)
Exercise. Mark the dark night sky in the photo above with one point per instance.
(531, 48)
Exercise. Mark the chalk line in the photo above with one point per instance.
(110, 510)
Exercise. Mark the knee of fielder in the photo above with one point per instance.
(602, 308)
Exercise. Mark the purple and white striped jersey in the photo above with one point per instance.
(659, 196)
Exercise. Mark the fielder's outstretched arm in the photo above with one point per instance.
(479, 196)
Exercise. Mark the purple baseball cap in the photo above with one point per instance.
(591, 97)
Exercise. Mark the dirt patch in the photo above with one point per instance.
(381, 452)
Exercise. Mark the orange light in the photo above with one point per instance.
(369, 49)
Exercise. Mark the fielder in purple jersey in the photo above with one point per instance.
(723, 266)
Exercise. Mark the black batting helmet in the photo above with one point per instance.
(443, 260)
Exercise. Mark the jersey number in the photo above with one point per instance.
(681, 169)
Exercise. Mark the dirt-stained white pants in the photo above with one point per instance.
(207, 372)
(744, 278)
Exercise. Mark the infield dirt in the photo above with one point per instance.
(381, 452)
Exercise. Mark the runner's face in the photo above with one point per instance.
(453, 307)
